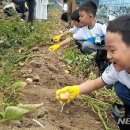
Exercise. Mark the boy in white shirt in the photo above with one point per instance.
(91, 37)
(117, 41)
(74, 30)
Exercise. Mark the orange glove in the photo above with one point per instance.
(54, 47)
(66, 94)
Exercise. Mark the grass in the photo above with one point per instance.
(77, 62)
(15, 36)
(99, 101)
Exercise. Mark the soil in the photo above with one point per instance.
(49, 73)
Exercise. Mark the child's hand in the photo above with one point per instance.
(54, 47)
(66, 94)
(57, 38)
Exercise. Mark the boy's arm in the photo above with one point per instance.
(58, 37)
(65, 33)
(91, 85)
(84, 88)
(66, 41)
(61, 44)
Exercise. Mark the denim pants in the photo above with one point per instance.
(31, 6)
(123, 93)
(21, 8)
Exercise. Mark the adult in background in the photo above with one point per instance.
(31, 6)
(20, 7)
(64, 16)
(0, 2)
(37, 9)
(41, 9)
(72, 6)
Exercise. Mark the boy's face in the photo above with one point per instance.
(117, 51)
(77, 24)
(85, 17)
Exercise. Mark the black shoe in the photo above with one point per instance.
(109, 87)
(123, 122)
(116, 111)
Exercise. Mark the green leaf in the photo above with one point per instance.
(7, 43)
(1, 99)
(90, 56)
(19, 85)
(13, 113)
(30, 107)
(69, 61)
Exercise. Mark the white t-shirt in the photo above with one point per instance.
(74, 29)
(111, 76)
(97, 33)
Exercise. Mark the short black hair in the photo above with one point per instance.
(75, 15)
(121, 25)
(89, 6)
(96, 2)
(64, 17)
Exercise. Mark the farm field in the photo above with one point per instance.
(24, 56)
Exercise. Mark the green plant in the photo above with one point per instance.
(15, 36)
(16, 112)
(101, 103)
(78, 62)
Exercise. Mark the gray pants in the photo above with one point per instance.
(90, 47)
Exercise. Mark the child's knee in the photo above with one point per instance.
(122, 92)
(86, 47)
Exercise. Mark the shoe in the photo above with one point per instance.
(109, 87)
(116, 111)
(120, 120)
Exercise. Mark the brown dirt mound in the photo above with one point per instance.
(48, 71)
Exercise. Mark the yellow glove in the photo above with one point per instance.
(66, 94)
(54, 47)
(57, 38)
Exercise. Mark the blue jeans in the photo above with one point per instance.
(31, 6)
(123, 93)
(21, 9)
